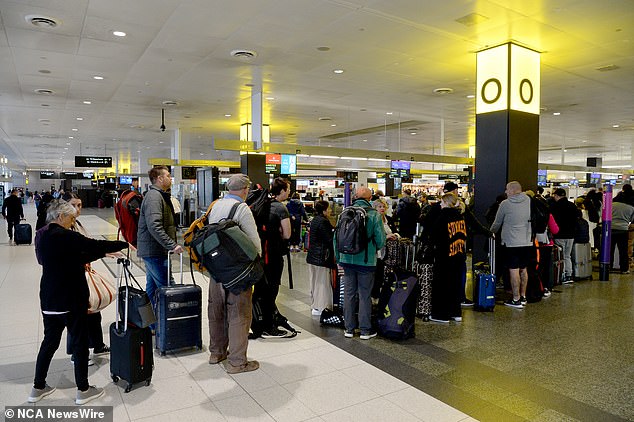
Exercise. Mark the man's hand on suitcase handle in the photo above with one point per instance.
(178, 249)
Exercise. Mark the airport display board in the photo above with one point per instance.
(400, 169)
(273, 163)
(48, 175)
(188, 172)
(542, 177)
(86, 161)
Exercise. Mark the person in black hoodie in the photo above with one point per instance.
(12, 212)
(565, 214)
(407, 214)
(64, 293)
(320, 259)
(448, 238)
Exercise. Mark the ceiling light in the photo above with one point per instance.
(323, 156)
(119, 33)
(338, 71)
(71, 137)
(74, 129)
(202, 153)
(412, 133)
(333, 125)
(583, 142)
(389, 113)
(565, 150)
(303, 155)
(87, 102)
(353, 158)
(615, 126)
(67, 143)
(364, 140)
(65, 148)
(97, 77)
(270, 98)
(227, 115)
(471, 96)
(80, 118)
(556, 113)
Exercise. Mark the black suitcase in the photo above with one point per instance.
(397, 306)
(23, 234)
(179, 315)
(131, 354)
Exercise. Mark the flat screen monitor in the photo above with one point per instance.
(289, 164)
(542, 177)
(84, 161)
(188, 172)
(273, 163)
(125, 180)
(400, 169)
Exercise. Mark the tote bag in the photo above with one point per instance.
(101, 291)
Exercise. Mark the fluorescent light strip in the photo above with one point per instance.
(626, 166)
(323, 156)
(353, 158)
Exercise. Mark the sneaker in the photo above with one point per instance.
(213, 359)
(568, 280)
(547, 293)
(367, 336)
(466, 303)
(523, 300)
(514, 304)
(251, 365)
(274, 333)
(38, 394)
(316, 312)
(348, 334)
(625, 272)
(92, 393)
(90, 361)
(103, 350)
(443, 321)
(456, 318)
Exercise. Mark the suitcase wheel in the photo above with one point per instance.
(148, 381)
(162, 353)
(115, 378)
(128, 388)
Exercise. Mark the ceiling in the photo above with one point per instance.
(394, 54)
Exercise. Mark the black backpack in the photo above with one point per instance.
(351, 232)
(539, 216)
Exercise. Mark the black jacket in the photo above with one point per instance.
(320, 247)
(565, 214)
(407, 214)
(63, 254)
(12, 207)
(448, 236)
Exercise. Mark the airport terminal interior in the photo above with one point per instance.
(333, 95)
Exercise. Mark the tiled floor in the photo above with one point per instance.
(308, 378)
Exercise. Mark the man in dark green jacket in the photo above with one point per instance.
(359, 270)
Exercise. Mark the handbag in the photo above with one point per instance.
(331, 318)
(134, 303)
(101, 291)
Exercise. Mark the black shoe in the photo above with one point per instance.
(523, 300)
(514, 304)
(466, 303)
(274, 333)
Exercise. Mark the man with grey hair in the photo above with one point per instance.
(513, 217)
(230, 314)
(359, 270)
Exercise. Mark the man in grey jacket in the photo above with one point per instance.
(513, 216)
(157, 231)
(230, 314)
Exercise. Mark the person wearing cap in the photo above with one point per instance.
(565, 214)
(407, 213)
(230, 314)
(473, 226)
(156, 235)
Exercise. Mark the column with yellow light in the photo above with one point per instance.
(507, 124)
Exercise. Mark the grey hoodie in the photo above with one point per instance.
(514, 217)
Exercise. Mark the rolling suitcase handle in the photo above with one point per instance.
(169, 267)
(492, 254)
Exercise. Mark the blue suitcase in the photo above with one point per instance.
(179, 316)
(484, 282)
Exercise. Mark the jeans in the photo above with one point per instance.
(155, 275)
(566, 245)
(357, 289)
(76, 323)
(12, 222)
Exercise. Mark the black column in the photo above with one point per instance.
(253, 165)
(507, 149)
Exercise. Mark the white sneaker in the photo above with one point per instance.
(316, 312)
(92, 393)
(90, 361)
(456, 318)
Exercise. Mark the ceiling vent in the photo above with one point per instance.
(44, 91)
(472, 19)
(607, 68)
(324, 119)
(244, 54)
(170, 103)
(443, 91)
(42, 21)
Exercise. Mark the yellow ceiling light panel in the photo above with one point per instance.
(508, 77)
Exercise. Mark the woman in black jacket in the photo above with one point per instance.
(320, 259)
(448, 238)
(63, 255)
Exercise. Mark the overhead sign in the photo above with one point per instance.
(84, 161)
(48, 175)
(400, 169)
(508, 77)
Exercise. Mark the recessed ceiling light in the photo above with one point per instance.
(565, 150)
(97, 77)
(389, 113)
(471, 96)
(412, 133)
(119, 33)
(65, 148)
(67, 143)
(365, 140)
(616, 126)
(74, 129)
(556, 113)
(202, 153)
(333, 125)
(227, 115)
(270, 98)
(71, 137)
(80, 118)
(160, 142)
(87, 102)
(338, 71)
(583, 142)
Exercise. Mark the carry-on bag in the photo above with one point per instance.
(582, 261)
(131, 355)
(397, 306)
(23, 234)
(484, 282)
(178, 314)
(133, 302)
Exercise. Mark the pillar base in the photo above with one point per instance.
(604, 272)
